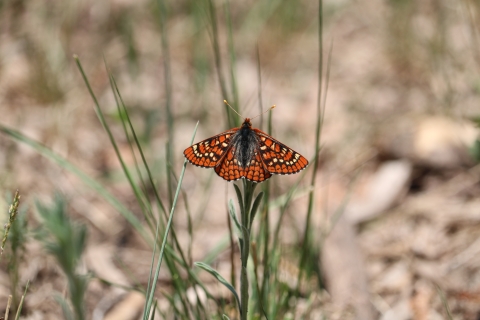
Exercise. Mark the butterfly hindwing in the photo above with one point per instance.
(228, 168)
(209, 152)
(256, 171)
(277, 157)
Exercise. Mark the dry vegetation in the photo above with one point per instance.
(396, 217)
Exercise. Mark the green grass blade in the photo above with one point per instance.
(142, 155)
(67, 312)
(20, 306)
(151, 294)
(139, 193)
(233, 215)
(255, 206)
(231, 51)
(444, 302)
(319, 125)
(87, 180)
(232, 119)
(162, 19)
(239, 197)
(222, 280)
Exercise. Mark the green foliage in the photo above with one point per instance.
(65, 240)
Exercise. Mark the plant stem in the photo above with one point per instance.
(247, 215)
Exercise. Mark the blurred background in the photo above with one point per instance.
(396, 220)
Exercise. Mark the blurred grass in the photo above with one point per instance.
(226, 23)
(66, 241)
(16, 234)
(175, 259)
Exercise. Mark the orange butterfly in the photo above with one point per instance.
(245, 152)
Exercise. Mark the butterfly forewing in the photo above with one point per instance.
(209, 152)
(277, 157)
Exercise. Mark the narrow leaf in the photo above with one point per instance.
(256, 204)
(233, 215)
(222, 280)
(240, 202)
(67, 312)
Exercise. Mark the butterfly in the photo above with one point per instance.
(245, 152)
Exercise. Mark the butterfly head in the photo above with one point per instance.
(247, 123)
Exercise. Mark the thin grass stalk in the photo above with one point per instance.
(266, 231)
(20, 306)
(168, 167)
(319, 125)
(233, 59)
(185, 264)
(189, 228)
(283, 209)
(444, 302)
(178, 285)
(190, 271)
(145, 205)
(168, 89)
(264, 234)
(259, 87)
(232, 119)
(244, 277)
(122, 110)
(140, 196)
(339, 211)
(257, 279)
(130, 217)
(7, 310)
(149, 300)
(142, 154)
(90, 182)
(200, 61)
(171, 266)
(233, 277)
(152, 315)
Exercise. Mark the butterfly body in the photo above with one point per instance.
(244, 142)
(245, 152)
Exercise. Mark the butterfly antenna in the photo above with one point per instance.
(226, 102)
(272, 107)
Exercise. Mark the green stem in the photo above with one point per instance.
(243, 276)
(245, 203)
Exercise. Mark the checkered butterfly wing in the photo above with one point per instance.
(229, 169)
(277, 157)
(210, 152)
